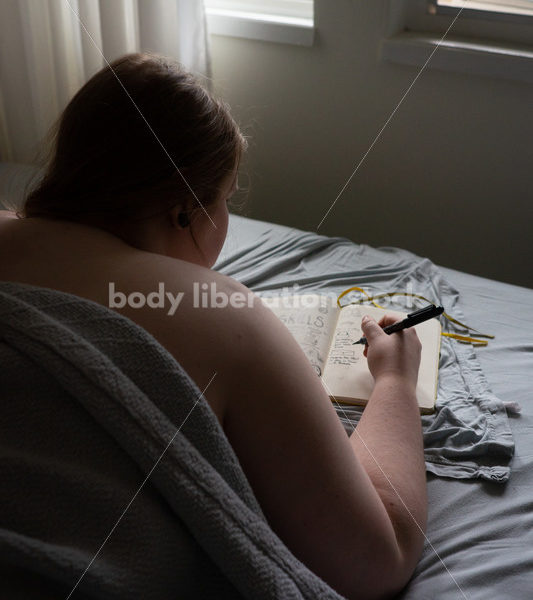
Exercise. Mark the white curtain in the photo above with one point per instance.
(50, 48)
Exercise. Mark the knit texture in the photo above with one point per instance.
(90, 403)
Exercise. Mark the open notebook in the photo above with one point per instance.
(326, 334)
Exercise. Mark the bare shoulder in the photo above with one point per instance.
(195, 305)
(196, 313)
(206, 320)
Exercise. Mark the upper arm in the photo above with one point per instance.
(293, 448)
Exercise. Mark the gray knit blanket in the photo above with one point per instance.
(117, 480)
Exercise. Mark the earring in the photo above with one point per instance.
(183, 220)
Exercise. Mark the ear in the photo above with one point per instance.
(183, 220)
(179, 217)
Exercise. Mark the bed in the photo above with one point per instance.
(480, 531)
(480, 525)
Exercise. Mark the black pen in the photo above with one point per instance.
(419, 316)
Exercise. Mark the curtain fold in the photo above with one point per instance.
(50, 48)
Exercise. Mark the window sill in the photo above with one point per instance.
(460, 55)
(269, 28)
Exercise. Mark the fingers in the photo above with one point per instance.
(387, 320)
(371, 328)
(383, 322)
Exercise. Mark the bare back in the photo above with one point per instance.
(94, 264)
(306, 473)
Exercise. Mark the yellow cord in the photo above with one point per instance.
(456, 336)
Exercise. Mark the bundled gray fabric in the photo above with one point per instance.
(89, 403)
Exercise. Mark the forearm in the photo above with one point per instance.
(388, 443)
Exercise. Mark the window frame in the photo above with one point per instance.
(302, 9)
(281, 21)
(476, 13)
(474, 46)
(424, 16)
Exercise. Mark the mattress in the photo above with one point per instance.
(480, 533)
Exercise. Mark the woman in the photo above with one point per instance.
(135, 196)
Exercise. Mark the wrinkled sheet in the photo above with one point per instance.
(469, 435)
(480, 526)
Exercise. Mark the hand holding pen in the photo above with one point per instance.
(414, 318)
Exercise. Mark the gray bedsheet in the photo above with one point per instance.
(480, 534)
(469, 435)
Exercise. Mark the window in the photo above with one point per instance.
(283, 21)
(486, 8)
(503, 21)
(299, 9)
(491, 38)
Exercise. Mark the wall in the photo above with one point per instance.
(448, 179)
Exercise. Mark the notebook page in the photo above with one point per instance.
(311, 319)
(346, 373)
